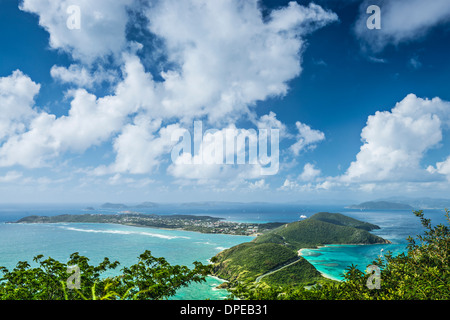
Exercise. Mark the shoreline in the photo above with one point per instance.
(325, 275)
(129, 225)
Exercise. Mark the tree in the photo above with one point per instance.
(149, 278)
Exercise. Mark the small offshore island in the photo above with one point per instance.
(203, 224)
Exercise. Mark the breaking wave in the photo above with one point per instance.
(142, 233)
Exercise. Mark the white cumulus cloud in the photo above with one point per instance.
(17, 93)
(401, 21)
(396, 141)
(307, 138)
(102, 29)
(220, 58)
(310, 172)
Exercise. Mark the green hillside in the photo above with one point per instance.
(301, 272)
(311, 233)
(340, 219)
(270, 257)
(248, 260)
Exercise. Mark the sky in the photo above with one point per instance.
(102, 100)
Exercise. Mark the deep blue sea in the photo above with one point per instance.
(21, 242)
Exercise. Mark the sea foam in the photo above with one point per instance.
(149, 234)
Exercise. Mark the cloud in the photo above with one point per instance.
(414, 62)
(270, 121)
(229, 154)
(289, 185)
(81, 76)
(205, 74)
(227, 56)
(10, 176)
(120, 180)
(393, 153)
(376, 60)
(259, 185)
(442, 167)
(309, 173)
(307, 138)
(90, 121)
(17, 93)
(396, 141)
(401, 21)
(141, 145)
(102, 31)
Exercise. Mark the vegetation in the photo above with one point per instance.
(204, 224)
(422, 272)
(299, 273)
(381, 205)
(341, 220)
(275, 249)
(311, 233)
(149, 279)
(247, 261)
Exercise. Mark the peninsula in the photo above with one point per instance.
(275, 256)
(203, 224)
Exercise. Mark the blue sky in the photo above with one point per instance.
(88, 113)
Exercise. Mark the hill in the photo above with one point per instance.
(320, 229)
(147, 205)
(342, 220)
(311, 233)
(422, 203)
(109, 205)
(381, 205)
(265, 256)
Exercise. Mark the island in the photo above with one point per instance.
(274, 257)
(203, 224)
(381, 205)
(109, 205)
(147, 204)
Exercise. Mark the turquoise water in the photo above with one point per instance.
(21, 242)
(333, 260)
(396, 226)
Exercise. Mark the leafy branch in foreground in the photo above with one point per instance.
(150, 278)
(422, 272)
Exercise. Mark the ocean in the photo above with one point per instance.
(21, 242)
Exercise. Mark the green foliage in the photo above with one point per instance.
(342, 220)
(270, 251)
(423, 272)
(311, 233)
(249, 260)
(300, 273)
(150, 278)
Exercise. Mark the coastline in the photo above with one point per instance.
(301, 253)
(131, 225)
(325, 275)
